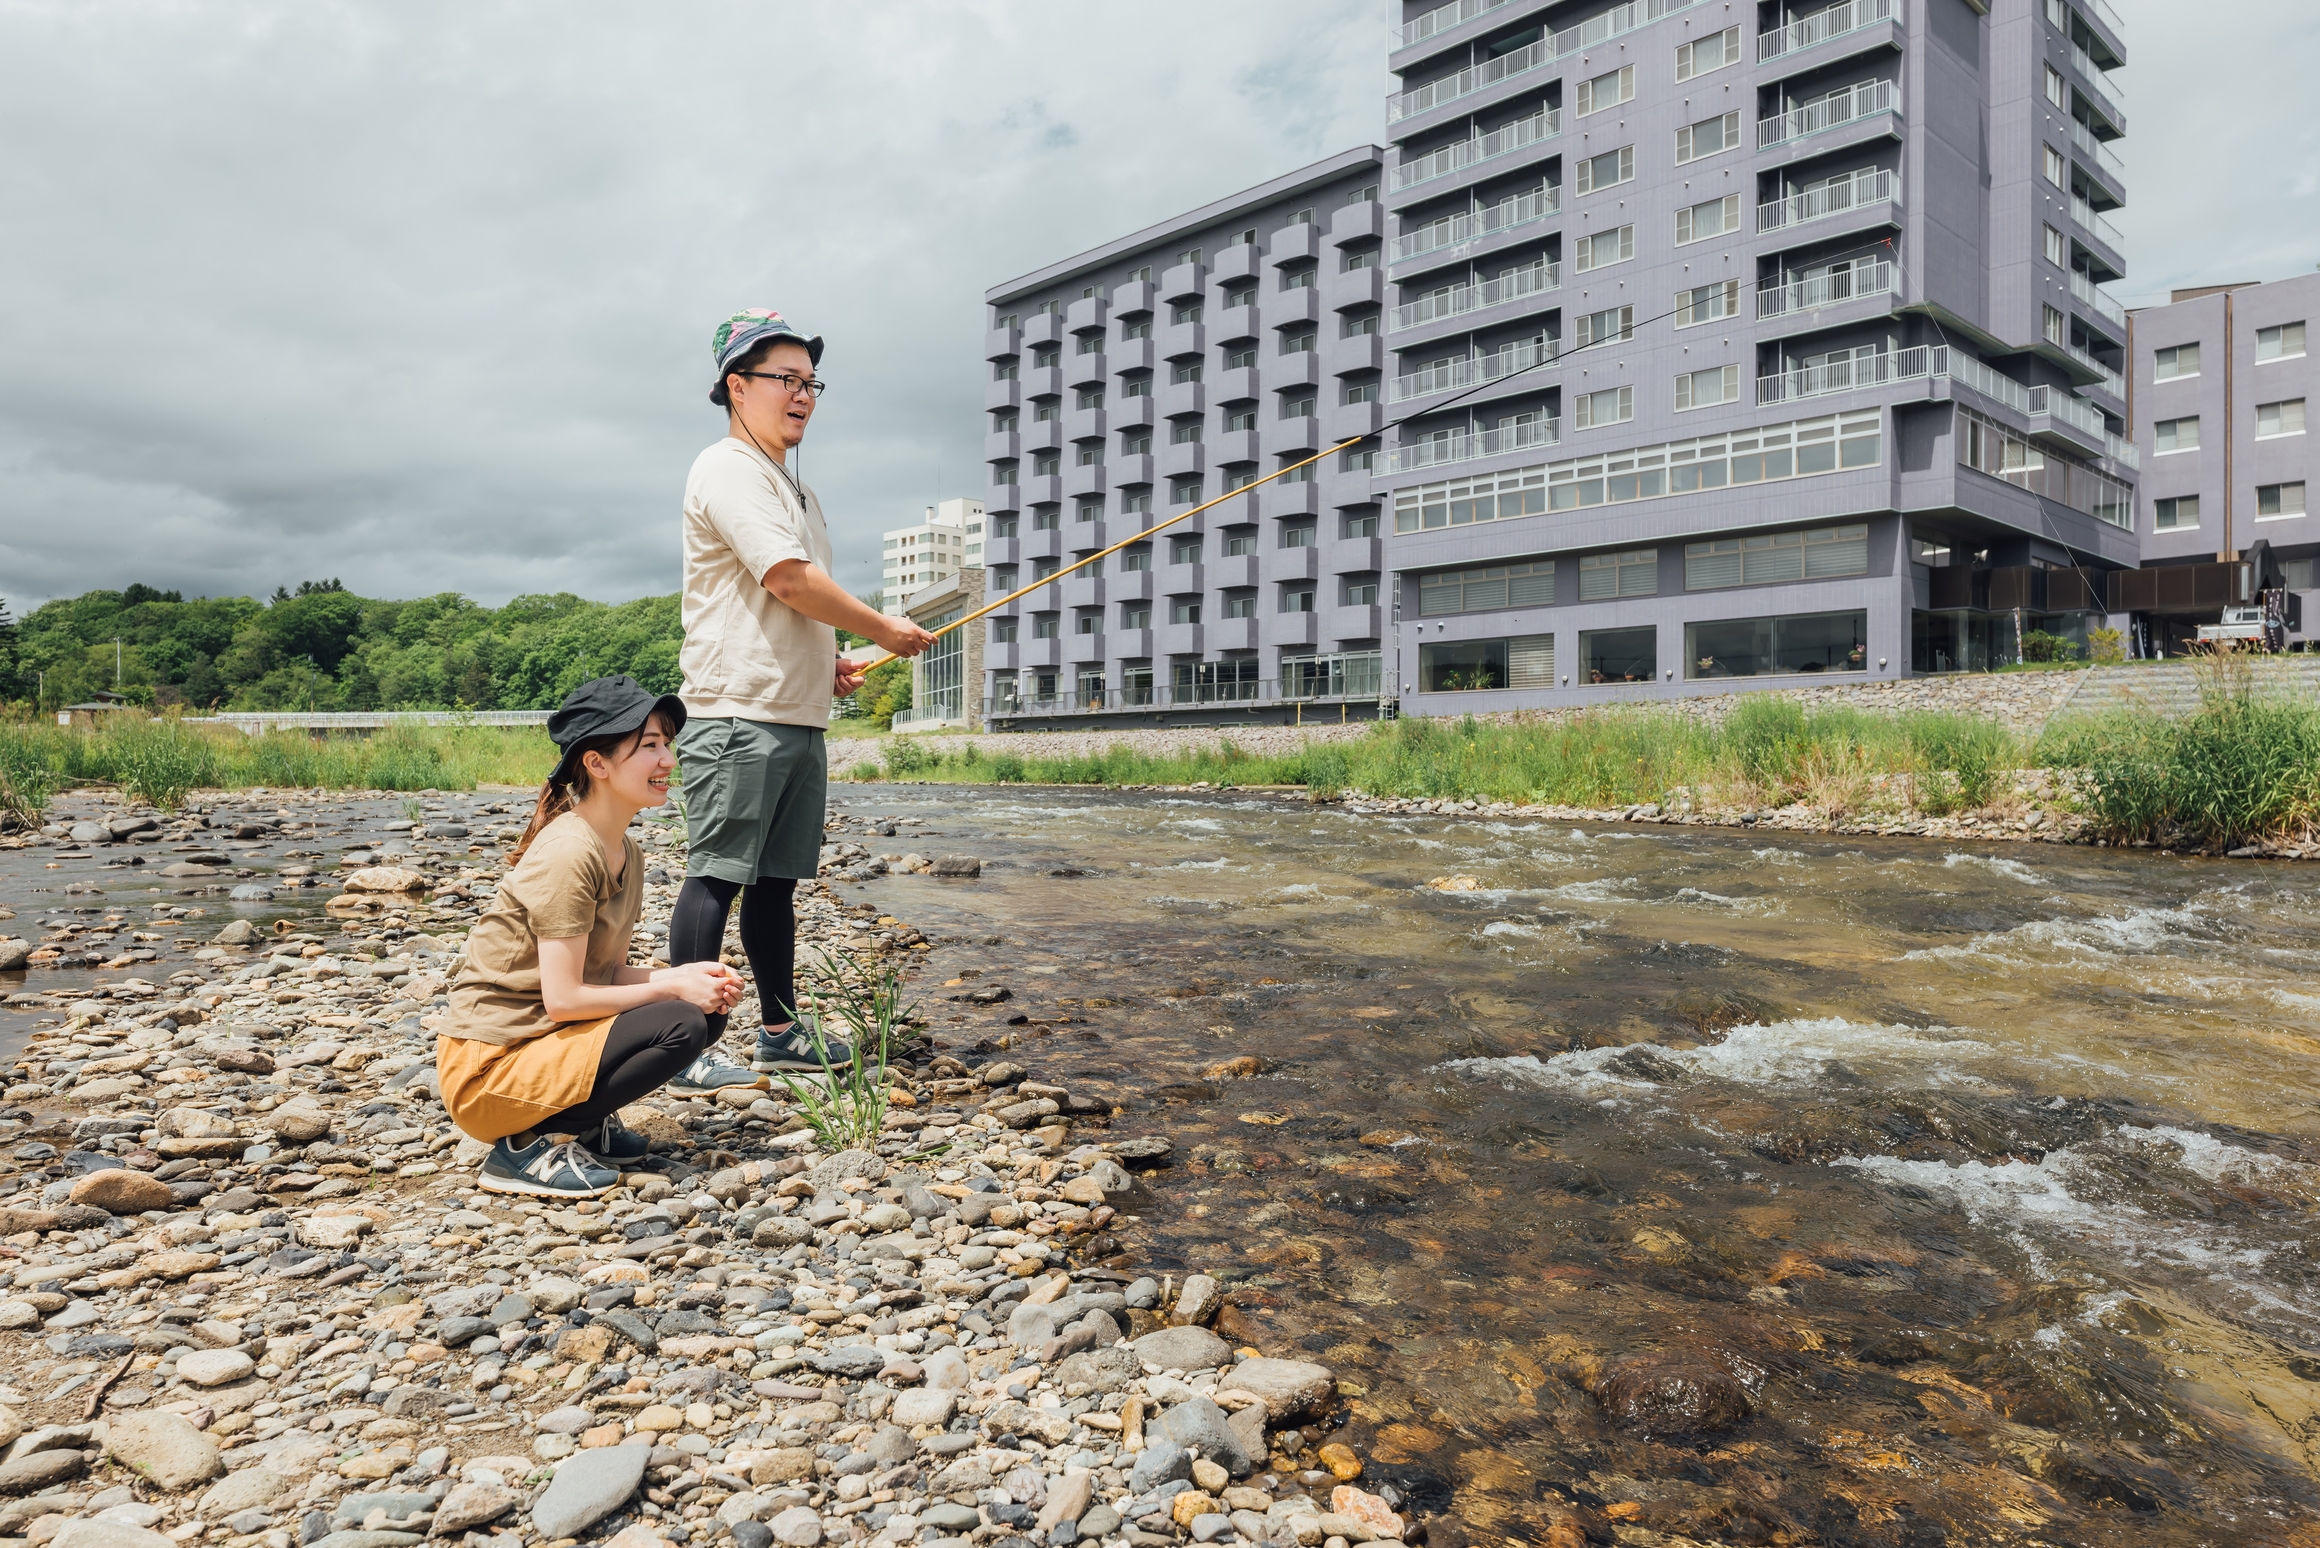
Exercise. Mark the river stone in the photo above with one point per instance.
(856, 1360)
(588, 1488)
(163, 1449)
(1673, 1395)
(924, 1405)
(36, 1471)
(1161, 1461)
(1182, 1349)
(946, 1368)
(299, 1120)
(800, 1526)
(948, 1517)
(1290, 1388)
(416, 1402)
(782, 1464)
(512, 1308)
(781, 1231)
(887, 1217)
(458, 1332)
(98, 1533)
(628, 1325)
(214, 1367)
(472, 1505)
(334, 1233)
(252, 1488)
(1101, 1370)
(1030, 1326)
(119, 1191)
(833, 1170)
(554, 1296)
(1198, 1301)
(1198, 1422)
(568, 1420)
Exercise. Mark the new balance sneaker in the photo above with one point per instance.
(613, 1144)
(792, 1049)
(546, 1169)
(710, 1073)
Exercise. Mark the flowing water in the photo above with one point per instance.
(1698, 1185)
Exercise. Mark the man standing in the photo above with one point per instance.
(761, 665)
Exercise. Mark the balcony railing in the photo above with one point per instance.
(2084, 214)
(1457, 300)
(1882, 278)
(1900, 365)
(1444, 375)
(1865, 100)
(2121, 451)
(2082, 285)
(1833, 22)
(1619, 19)
(2104, 157)
(1542, 203)
(1351, 676)
(2106, 90)
(1470, 80)
(2076, 412)
(1959, 366)
(1868, 186)
(1448, 446)
(1502, 141)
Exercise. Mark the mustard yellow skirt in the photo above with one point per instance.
(493, 1090)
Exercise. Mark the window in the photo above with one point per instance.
(1296, 341)
(1617, 322)
(1003, 631)
(1007, 320)
(1141, 276)
(2177, 435)
(1041, 569)
(1712, 217)
(1607, 170)
(1004, 420)
(1183, 491)
(1003, 371)
(1047, 465)
(2282, 343)
(1631, 574)
(1239, 359)
(2057, 91)
(1050, 308)
(1185, 312)
(1090, 398)
(1002, 526)
(1611, 406)
(1754, 647)
(1047, 355)
(1712, 52)
(1361, 392)
(1087, 623)
(2053, 163)
(1359, 459)
(2286, 418)
(1606, 247)
(1090, 510)
(1189, 255)
(2177, 511)
(1297, 405)
(1362, 523)
(1770, 557)
(1184, 550)
(1358, 258)
(1701, 389)
(1135, 615)
(1184, 610)
(1046, 626)
(1487, 590)
(1619, 655)
(1090, 455)
(1527, 661)
(1135, 559)
(1243, 238)
(1244, 419)
(2279, 500)
(1366, 195)
(1358, 324)
(2057, 248)
(1933, 552)
(1004, 474)
(1239, 479)
(1046, 411)
(1240, 604)
(1241, 295)
(1183, 432)
(1137, 328)
(2179, 360)
(1297, 599)
(1003, 578)
(2057, 327)
(1297, 534)
(1136, 500)
(1357, 592)
(1299, 278)
(1707, 303)
(1242, 542)
(1707, 137)
(1184, 371)
(1091, 343)
(1136, 387)
(1606, 91)
(1136, 443)
(1303, 217)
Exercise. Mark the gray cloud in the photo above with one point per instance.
(419, 295)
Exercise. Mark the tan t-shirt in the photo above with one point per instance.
(749, 655)
(561, 888)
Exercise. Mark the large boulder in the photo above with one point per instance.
(119, 1191)
(1674, 1395)
(1182, 1349)
(587, 1488)
(1199, 1424)
(163, 1449)
(1290, 1388)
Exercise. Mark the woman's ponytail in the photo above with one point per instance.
(555, 800)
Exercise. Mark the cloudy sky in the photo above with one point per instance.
(419, 295)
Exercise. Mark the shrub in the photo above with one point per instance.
(2106, 646)
(158, 761)
(1768, 737)
(865, 770)
(1974, 752)
(1007, 769)
(2038, 645)
(905, 756)
(26, 779)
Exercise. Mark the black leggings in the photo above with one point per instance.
(644, 1050)
(768, 937)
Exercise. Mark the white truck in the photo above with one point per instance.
(2240, 625)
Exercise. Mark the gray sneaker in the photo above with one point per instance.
(546, 1169)
(711, 1073)
(792, 1049)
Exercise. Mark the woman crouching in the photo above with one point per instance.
(550, 1032)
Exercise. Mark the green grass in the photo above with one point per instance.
(164, 760)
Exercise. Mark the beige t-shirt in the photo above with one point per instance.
(747, 654)
(561, 888)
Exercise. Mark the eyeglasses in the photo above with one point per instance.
(791, 382)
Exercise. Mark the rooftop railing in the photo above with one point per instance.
(1473, 370)
(1447, 446)
(1867, 186)
(2082, 285)
(1833, 22)
(2104, 157)
(1541, 203)
(1457, 300)
(2084, 214)
(1502, 141)
(1864, 100)
(1776, 299)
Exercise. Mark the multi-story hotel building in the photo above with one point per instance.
(913, 558)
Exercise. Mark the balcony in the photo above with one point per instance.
(1473, 78)
(1357, 222)
(999, 343)
(1287, 308)
(1083, 478)
(1881, 278)
(1085, 313)
(2097, 227)
(1085, 370)
(1128, 355)
(1541, 203)
(1131, 297)
(1302, 369)
(1237, 262)
(1180, 340)
(1127, 471)
(1180, 398)
(1596, 29)
(1293, 564)
(1901, 365)
(1234, 324)
(1458, 300)
(2075, 422)
(1870, 186)
(1042, 381)
(1869, 99)
(1447, 446)
(1474, 370)
(1293, 629)
(1042, 328)
(1295, 243)
(1353, 287)
(2100, 86)
(1182, 282)
(1042, 435)
(1284, 498)
(1002, 446)
(2082, 285)
(1502, 141)
(1833, 22)
(1006, 394)
(1346, 623)
(2106, 160)
(1086, 424)
(1300, 436)
(1362, 352)
(1181, 459)
(1231, 446)
(1232, 572)
(1353, 556)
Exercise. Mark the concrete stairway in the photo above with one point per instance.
(2171, 688)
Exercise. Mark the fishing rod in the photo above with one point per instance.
(1624, 335)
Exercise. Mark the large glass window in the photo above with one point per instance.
(1482, 590)
(1755, 647)
(1634, 573)
(1776, 556)
(1619, 655)
(1988, 447)
(1453, 666)
(2175, 511)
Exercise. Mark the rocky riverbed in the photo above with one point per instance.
(250, 1294)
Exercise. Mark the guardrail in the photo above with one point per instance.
(1502, 141)
(1869, 186)
(1458, 300)
(1318, 688)
(1833, 22)
(1867, 99)
(1881, 278)
(258, 722)
(1541, 203)
(1471, 370)
(1450, 446)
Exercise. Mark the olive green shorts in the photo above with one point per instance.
(755, 796)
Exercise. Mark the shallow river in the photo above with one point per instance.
(1936, 1195)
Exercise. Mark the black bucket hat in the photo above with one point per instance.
(606, 706)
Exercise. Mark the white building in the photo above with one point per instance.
(935, 550)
